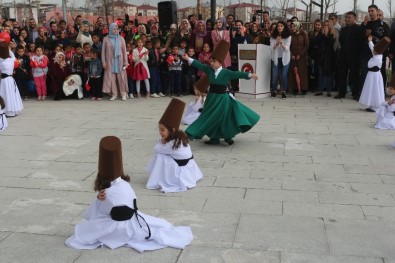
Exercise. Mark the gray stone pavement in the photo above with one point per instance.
(313, 181)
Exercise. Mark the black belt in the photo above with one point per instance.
(374, 69)
(183, 162)
(219, 89)
(2, 121)
(3, 75)
(123, 213)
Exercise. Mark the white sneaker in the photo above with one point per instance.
(131, 96)
(123, 97)
(154, 95)
(161, 94)
(113, 98)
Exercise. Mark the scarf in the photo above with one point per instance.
(57, 57)
(198, 33)
(117, 49)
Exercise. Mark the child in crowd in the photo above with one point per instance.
(183, 47)
(113, 219)
(22, 73)
(95, 79)
(3, 118)
(189, 74)
(153, 64)
(77, 61)
(172, 168)
(372, 95)
(97, 43)
(195, 107)
(39, 64)
(129, 70)
(385, 113)
(141, 71)
(175, 71)
(204, 58)
(32, 50)
(87, 58)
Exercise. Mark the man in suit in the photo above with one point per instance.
(349, 41)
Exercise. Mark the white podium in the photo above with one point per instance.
(255, 58)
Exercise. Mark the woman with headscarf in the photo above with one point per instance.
(115, 61)
(220, 33)
(199, 37)
(58, 72)
(185, 31)
(299, 52)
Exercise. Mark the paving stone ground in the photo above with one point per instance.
(313, 181)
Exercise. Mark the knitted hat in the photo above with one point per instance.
(173, 26)
(4, 50)
(382, 45)
(2, 104)
(110, 158)
(202, 84)
(173, 114)
(221, 51)
(391, 84)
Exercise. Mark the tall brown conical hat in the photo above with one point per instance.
(220, 52)
(173, 114)
(4, 50)
(391, 84)
(382, 45)
(202, 84)
(2, 104)
(110, 158)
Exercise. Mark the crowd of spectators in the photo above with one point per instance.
(320, 57)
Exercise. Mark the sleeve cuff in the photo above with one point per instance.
(190, 60)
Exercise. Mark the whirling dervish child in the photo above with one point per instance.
(172, 168)
(195, 107)
(385, 113)
(372, 95)
(8, 88)
(113, 219)
(3, 118)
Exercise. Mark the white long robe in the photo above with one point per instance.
(99, 229)
(3, 120)
(8, 88)
(385, 116)
(373, 89)
(192, 112)
(165, 174)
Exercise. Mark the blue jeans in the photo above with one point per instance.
(131, 86)
(155, 84)
(175, 82)
(326, 81)
(277, 71)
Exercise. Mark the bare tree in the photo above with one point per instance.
(328, 4)
(390, 9)
(355, 6)
(104, 7)
(283, 5)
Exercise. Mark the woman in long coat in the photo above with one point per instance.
(115, 61)
(298, 69)
(218, 34)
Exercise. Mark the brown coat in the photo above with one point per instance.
(109, 81)
(299, 46)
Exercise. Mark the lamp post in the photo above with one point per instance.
(64, 9)
(213, 5)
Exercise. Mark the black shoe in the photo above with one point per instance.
(355, 98)
(318, 94)
(283, 96)
(212, 142)
(338, 96)
(229, 141)
(273, 94)
(329, 94)
(369, 110)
